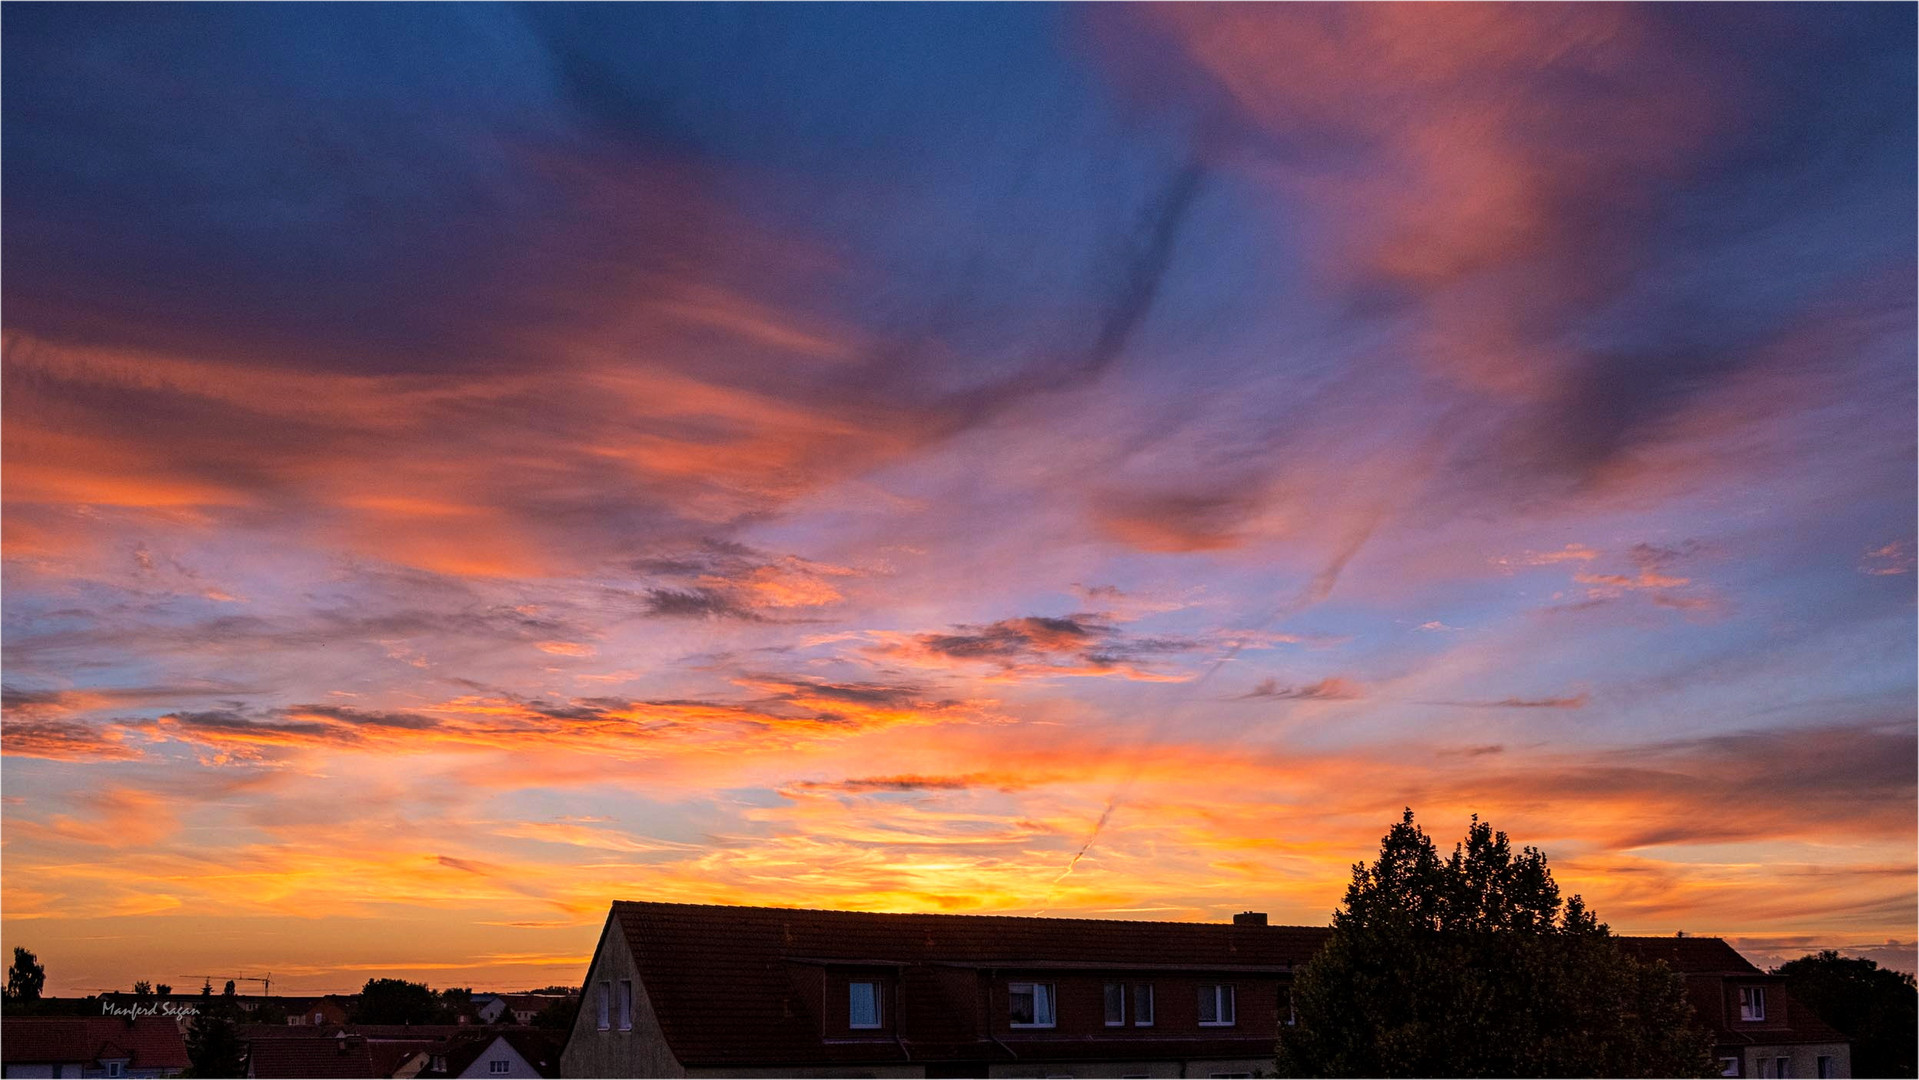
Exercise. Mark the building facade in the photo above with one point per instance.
(687, 990)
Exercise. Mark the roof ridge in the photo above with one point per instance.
(958, 915)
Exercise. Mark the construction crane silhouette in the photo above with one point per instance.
(265, 981)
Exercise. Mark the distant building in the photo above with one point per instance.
(512, 1008)
(316, 1012)
(697, 990)
(90, 1046)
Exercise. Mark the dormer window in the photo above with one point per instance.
(116, 1068)
(863, 1004)
(1143, 1005)
(1030, 1004)
(1752, 1003)
(1216, 1005)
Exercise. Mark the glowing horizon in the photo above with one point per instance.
(463, 466)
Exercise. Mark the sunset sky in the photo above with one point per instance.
(465, 465)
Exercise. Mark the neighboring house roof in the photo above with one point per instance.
(314, 1056)
(389, 1055)
(531, 1003)
(149, 1042)
(541, 1050)
(370, 1032)
(1693, 955)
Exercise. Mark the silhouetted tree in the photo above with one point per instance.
(559, 1015)
(214, 1046)
(1877, 1008)
(1474, 966)
(396, 1001)
(163, 990)
(143, 988)
(25, 978)
(455, 1001)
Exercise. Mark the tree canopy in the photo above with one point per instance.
(396, 1001)
(1474, 966)
(214, 1045)
(25, 977)
(1876, 1007)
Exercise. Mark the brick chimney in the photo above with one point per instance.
(1250, 918)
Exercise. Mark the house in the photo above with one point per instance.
(316, 1012)
(1759, 1030)
(513, 1055)
(698, 990)
(512, 1008)
(692, 990)
(89, 1046)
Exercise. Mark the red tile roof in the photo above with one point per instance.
(310, 1057)
(150, 1042)
(1693, 955)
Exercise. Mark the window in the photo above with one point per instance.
(1216, 1005)
(1752, 1003)
(1286, 1001)
(626, 1005)
(1143, 1005)
(114, 1068)
(498, 1067)
(1115, 1004)
(1782, 1067)
(1031, 1004)
(604, 1000)
(1825, 1067)
(1729, 1066)
(863, 1005)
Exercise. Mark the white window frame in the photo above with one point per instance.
(1120, 989)
(1782, 1067)
(499, 1065)
(116, 1068)
(1042, 1018)
(1224, 1005)
(1823, 1066)
(1752, 1003)
(604, 1003)
(626, 1004)
(879, 1009)
(1143, 1017)
(1729, 1066)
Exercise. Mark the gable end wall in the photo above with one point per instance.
(639, 1052)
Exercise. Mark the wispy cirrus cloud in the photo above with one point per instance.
(1040, 646)
(1329, 689)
